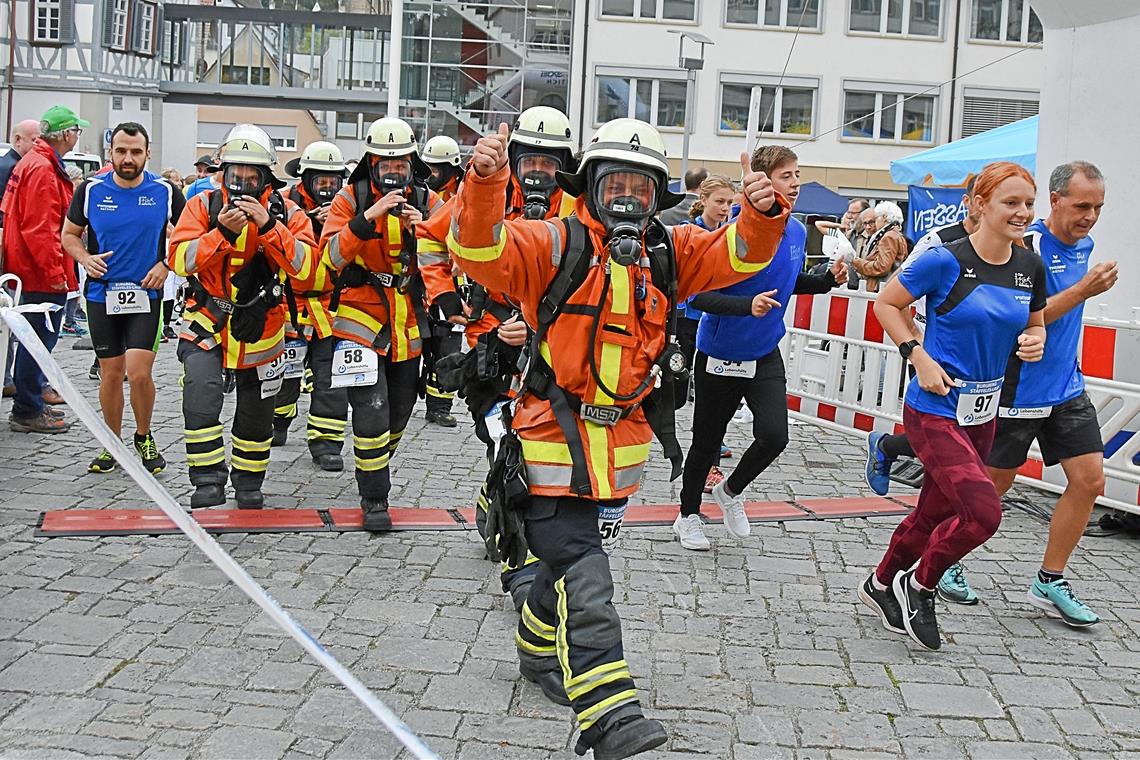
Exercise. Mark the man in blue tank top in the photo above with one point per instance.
(1046, 400)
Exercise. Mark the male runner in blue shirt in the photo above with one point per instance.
(125, 214)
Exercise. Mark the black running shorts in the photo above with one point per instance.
(114, 334)
(1070, 430)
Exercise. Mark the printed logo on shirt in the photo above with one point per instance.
(1022, 280)
(970, 274)
(107, 204)
(146, 200)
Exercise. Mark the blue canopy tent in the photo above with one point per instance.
(953, 163)
(814, 198)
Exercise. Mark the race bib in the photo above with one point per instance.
(354, 365)
(722, 368)
(1028, 413)
(295, 352)
(494, 422)
(977, 401)
(271, 376)
(609, 525)
(127, 298)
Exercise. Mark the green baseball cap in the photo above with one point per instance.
(59, 118)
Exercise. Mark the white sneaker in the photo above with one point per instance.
(735, 521)
(691, 531)
(742, 414)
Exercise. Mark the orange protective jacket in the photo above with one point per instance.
(214, 257)
(361, 314)
(313, 293)
(521, 259)
(435, 264)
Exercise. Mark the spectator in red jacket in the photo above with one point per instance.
(39, 192)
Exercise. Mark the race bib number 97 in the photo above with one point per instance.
(354, 365)
(977, 401)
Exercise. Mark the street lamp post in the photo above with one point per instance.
(691, 67)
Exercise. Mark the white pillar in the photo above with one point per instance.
(395, 57)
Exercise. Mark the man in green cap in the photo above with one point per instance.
(39, 192)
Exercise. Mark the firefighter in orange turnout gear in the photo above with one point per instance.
(378, 302)
(541, 144)
(321, 171)
(582, 430)
(236, 245)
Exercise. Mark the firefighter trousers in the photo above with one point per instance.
(441, 343)
(328, 406)
(380, 412)
(252, 429)
(569, 613)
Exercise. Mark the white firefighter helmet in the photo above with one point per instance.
(441, 149)
(321, 156)
(543, 127)
(247, 144)
(390, 137)
(627, 141)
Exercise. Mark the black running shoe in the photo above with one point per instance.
(148, 451)
(104, 462)
(884, 604)
(918, 611)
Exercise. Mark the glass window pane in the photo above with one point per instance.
(1013, 22)
(644, 99)
(613, 98)
(767, 113)
(859, 114)
(671, 103)
(918, 119)
(741, 11)
(617, 8)
(795, 112)
(924, 17)
(649, 8)
(986, 20)
(894, 16)
(1035, 33)
(772, 13)
(683, 10)
(804, 13)
(734, 99)
(865, 15)
(888, 116)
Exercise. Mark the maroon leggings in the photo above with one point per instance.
(958, 508)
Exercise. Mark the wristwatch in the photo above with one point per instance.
(906, 349)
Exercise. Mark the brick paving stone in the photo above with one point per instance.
(952, 701)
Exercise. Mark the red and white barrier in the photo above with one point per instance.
(844, 373)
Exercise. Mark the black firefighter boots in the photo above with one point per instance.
(250, 499)
(280, 432)
(546, 673)
(208, 495)
(376, 517)
(627, 733)
(329, 462)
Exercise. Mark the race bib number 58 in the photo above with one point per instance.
(354, 365)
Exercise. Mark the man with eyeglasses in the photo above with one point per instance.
(35, 203)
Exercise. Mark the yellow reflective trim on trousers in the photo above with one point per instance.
(586, 688)
(609, 371)
(202, 435)
(530, 560)
(526, 646)
(244, 445)
(314, 435)
(619, 287)
(737, 250)
(536, 626)
(371, 465)
(598, 671)
(562, 646)
(365, 442)
(628, 456)
(488, 253)
(289, 410)
(328, 422)
(590, 715)
(249, 465)
(437, 393)
(546, 451)
(401, 328)
(205, 460)
(597, 438)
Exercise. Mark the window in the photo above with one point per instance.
(920, 18)
(144, 104)
(52, 22)
(787, 109)
(116, 24)
(172, 50)
(659, 101)
(984, 109)
(658, 10)
(1005, 21)
(886, 116)
(142, 34)
(116, 102)
(778, 14)
(245, 74)
(284, 143)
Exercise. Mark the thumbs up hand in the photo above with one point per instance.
(757, 187)
(491, 152)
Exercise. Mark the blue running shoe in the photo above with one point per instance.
(878, 466)
(1057, 600)
(953, 586)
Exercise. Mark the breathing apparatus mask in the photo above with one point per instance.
(441, 174)
(391, 173)
(623, 198)
(245, 181)
(535, 169)
(322, 187)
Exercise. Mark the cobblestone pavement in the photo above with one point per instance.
(137, 647)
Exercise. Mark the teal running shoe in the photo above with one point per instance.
(953, 587)
(1057, 600)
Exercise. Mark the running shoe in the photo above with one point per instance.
(715, 476)
(953, 586)
(104, 462)
(884, 603)
(725, 452)
(168, 333)
(151, 458)
(94, 372)
(72, 331)
(1057, 600)
(742, 414)
(918, 614)
(735, 521)
(691, 532)
(44, 422)
(878, 470)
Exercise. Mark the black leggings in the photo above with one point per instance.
(717, 398)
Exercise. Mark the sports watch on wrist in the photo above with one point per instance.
(906, 349)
